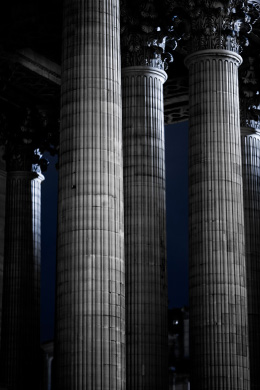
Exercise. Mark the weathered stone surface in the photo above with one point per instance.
(249, 77)
(218, 296)
(90, 300)
(250, 143)
(20, 347)
(22, 133)
(145, 228)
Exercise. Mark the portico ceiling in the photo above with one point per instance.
(30, 52)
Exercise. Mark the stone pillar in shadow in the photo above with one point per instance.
(217, 268)
(145, 227)
(143, 63)
(250, 146)
(20, 341)
(2, 225)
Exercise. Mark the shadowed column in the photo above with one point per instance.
(2, 225)
(23, 133)
(145, 228)
(147, 46)
(217, 267)
(20, 345)
(250, 146)
(250, 140)
(218, 296)
(90, 298)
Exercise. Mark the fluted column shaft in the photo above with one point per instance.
(145, 233)
(90, 317)
(217, 274)
(2, 226)
(20, 347)
(250, 144)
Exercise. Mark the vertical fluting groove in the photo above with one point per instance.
(20, 347)
(217, 273)
(250, 144)
(90, 306)
(2, 226)
(145, 236)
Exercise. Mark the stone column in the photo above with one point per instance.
(250, 142)
(218, 296)
(2, 225)
(145, 228)
(90, 299)
(217, 268)
(20, 347)
(250, 145)
(144, 27)
(47, 366)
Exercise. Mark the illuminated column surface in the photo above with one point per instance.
(218, 296)
(90, 298)
(20, 347)
(250, 142)
(145, 228)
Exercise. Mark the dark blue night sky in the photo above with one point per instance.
(176, 137)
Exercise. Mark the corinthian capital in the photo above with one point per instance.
(216, 24)
(25, 134)
(249, 83)
(147, 35)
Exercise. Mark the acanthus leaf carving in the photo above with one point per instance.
(25, 136)
(216, 24)
(147, 35)
(250, 94)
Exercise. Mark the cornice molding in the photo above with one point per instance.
(39, 64)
